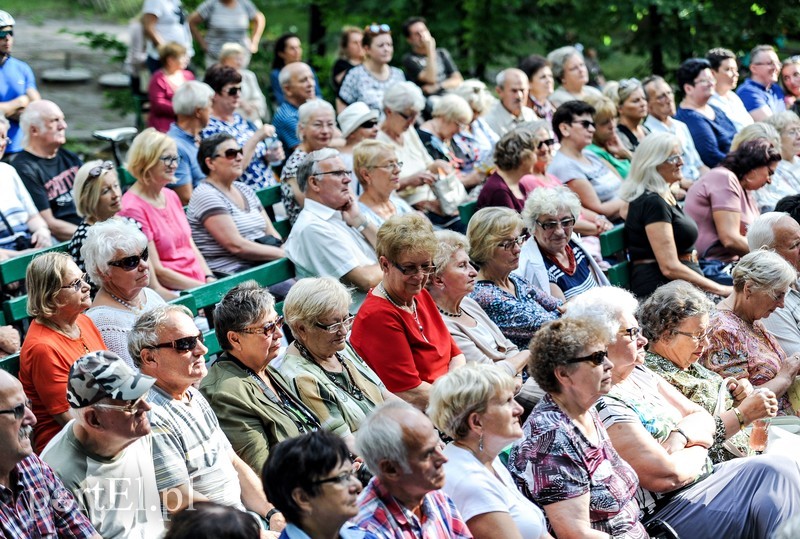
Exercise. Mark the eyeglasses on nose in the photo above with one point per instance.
(696, 338)
(509, 244)
(369, 124)
(674, 159)
(633, 332)
(230, 154)
(234, 91)
(585, 123)
(394, 165)
(78, 283)
(335, 173)
(547, 143)
(408, 115)
(184, 344)
(596, 358)
(170, 160)
(130, 263)
(425, 269)
(339, 479)
(336, 327)
(552, 225)
(267, 329)
(18, 410)
(131, 408)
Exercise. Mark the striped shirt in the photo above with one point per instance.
(577, 283)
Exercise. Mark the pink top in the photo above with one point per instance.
(168, 228)
(718, 190)
(160, 94)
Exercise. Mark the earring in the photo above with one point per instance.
(480, 444)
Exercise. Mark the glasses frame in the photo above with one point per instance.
(633, 332)
(395, 165)
(333, 329)
(170, 160)
(586, 124)
(597, 358)
(335, 173)
(178, 345)
(550, 142)
(100, 169)
(131, 408)
(19, 410)
(696, 338)
(416, 270)
(130, 263)
(233, 91)
(78, 283)
(268, 329)
(509, 244)
(338, 479)
(5, 33)
(674, 159)
(230, 154)
(369, 124)
(550, 226)
(376, 28)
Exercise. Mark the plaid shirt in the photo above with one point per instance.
(381, 514)
(39, 505)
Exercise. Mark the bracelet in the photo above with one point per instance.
(272, 512)
(740, 417)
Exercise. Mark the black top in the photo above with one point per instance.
(651, 208)
(341, 66)
(414, 64)
(49, 182)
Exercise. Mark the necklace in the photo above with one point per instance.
(354, 391)
(124, 303)
(571, 266)
(413, 306)
(451, 315)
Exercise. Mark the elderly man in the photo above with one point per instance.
(404, 498)
(761, 94)
(17, 84)
(330, 236)
(193, 460)
(104, 456)
(779, 231)
(510, 111)
(192, 106)
(33, 500)
(299, 86)
(430, 68)
(47, 169)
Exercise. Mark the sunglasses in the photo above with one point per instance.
(234, 91)
(78, 283)
(674, 159)
(585, 123)
(131, 408)
(6, 33)
(130, 263)
(597, 358)
(344, 325)
(103, 167)
(267, 330)
(184, 344)
(406, 116)
(369, 124)
(376, 28)
(18, 410)
(546, 143)
(230, 154)
(552, 225)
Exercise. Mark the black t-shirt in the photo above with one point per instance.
(49, 182)
(651, 208)
(341, 66)
(413, 64)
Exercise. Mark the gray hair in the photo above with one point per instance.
(32, 117)
(107, 238)
(449, 242)
(452, 108)
(308, 166)
(144, 333)
(310, 299)
(765, 270)
(232, 49)
(559, 57)
(666, 308)
(243, 305)
(755, 131)
(762, 231)
(643, 176)
(404, 96)
(380, 436)
(783, 120)
(190, 96)
(307, 110)
(476, 94)
(500, 79)
(605, 305)
(549, 201)
(285, 74)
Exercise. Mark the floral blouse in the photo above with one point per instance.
(517, 315)
(744, 350)
(700, 386)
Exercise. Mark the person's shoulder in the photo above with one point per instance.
(69, 156)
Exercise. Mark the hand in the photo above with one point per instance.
(740, 389)
(351, 213)
(253, 48)
(264, 132)
(42, 238)
(9, 339)
(761, 403)
(791, 366)
(440, 165)
(429, 41)
(275, 152)
(602, 224)
(424, 178)
(277, 523)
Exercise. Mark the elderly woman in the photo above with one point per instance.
(789, 80)
(357, 123)
(116, 254)
(315, 128)
(606, 141)
(712, 131)
(59, 334)
(400, 315)
(475, 407)
(542, 84)
(786, 180)
(665, 438)
(569, 69)
(726, 75)
(227, 85)
(164, 82)
(350, 54)
(722, 203)
(565, 462)
(320, 365)
(369, 81)
(477, 134)
(659, 235)
(256, 408)
(554, 258)
(518, 307)
(378, 171)
(628, 96)
(229, 225)
(739, 345)
(176, 260)
(296, 478)
(226, 21)
(595, 183)
(514, 157)
(675, 319)
(253, 104)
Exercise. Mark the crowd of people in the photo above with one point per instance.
(422, 375)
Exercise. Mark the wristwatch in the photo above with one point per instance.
(360, 228)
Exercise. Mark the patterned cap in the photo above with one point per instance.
(101, 375)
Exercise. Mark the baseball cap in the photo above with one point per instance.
(6, 19)
(101, 375)
(354, 115)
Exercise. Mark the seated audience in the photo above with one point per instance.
(607, 142)
(514, 157)
(172, 75)
(350, 55)
(477, 134)
(511, 108)
(59, 334)
(106, 450)
(209, 520)
(429, 67)
(400, 315)
(253, 105)
(786, 180)
(541, 83)
(789, 80)
(628, 96)
(357, 122)
(404, 498)
(288, 50)
(569, 69)
(659, 235)
(518, 307)
(475, 407)
(726, 75)
(297, 82)
(761, 94)
(378, 172)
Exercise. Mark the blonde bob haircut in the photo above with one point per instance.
(87, 190)
(367, 153)
(311, 299)
(644, 177)
(44, 279)
(146, 151)
(487, 228)
(463, 392)
(755, 131)
(604, 108)
(453, 108)
(409, 234)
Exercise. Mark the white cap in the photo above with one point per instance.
(354, 115)
(6, 19)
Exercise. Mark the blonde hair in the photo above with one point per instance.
(366, 154)
(453, 108)
(487, 227)
(410, 233)
(756, 131)
(87, 191)
(312, 298)
(43, 279)
(145, 153)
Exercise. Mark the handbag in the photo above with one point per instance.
(719, 408)
(21, 240)
(450, 192)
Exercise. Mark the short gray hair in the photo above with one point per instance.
(308, 165)
(308, 109)
(476, 94)
(144, 333)
(242, 305)
(605, 305)
(501, 77)
(190, 96)
(285, 74)
(449, 242)
(559, 57)
(666, 309)
(548, 201)
(104, 240)
(783, 120)
(312, 298)
(755, 131)
(452, 108)
(762, 231)
(404, 96)
(380, 436)
(32, 117)
(765, 270)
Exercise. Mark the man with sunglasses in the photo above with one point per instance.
(298, 84)
(17, 84)
(510, 111)
(104, 455)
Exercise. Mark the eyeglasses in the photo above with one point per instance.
(340, 479)
(78, 283)
(131, 408)
(369, 124)
(509, 244)
(234, 91)
(585, 123)
(170, 160)
(547, 143)
(6, 33)
(230, 154)
(98, 171)
(552, 225)
(666, 96)
(18, 410)
(696, 338)
(596, 358)
(707, 82)
(130, 263)
(336, 327)
(267, 329)
(674, 159)
(335, 173)
(184, 344)
(394, 165)
(376, 28)
(408, 116)
(776, 65)
(633, 332)
(425, 269)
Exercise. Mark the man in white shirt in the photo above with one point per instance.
(512, 89)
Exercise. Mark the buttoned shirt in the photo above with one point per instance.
(501, 121)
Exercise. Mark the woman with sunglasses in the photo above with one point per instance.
(172, 75)
(378, 171)
(229, 225)
(59, 334)
(357, 123)
(659, 235)
(255, 406)
(116, 254)
(320, 365)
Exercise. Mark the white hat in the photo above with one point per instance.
(354, 115)
(6, 19)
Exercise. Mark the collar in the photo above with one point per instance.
(326, 213)
(403, 515)
(758, 84)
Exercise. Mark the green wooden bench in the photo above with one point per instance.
(13, 269)
(467, 210)
(269, 196)
(612, 245)
(10, 364)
